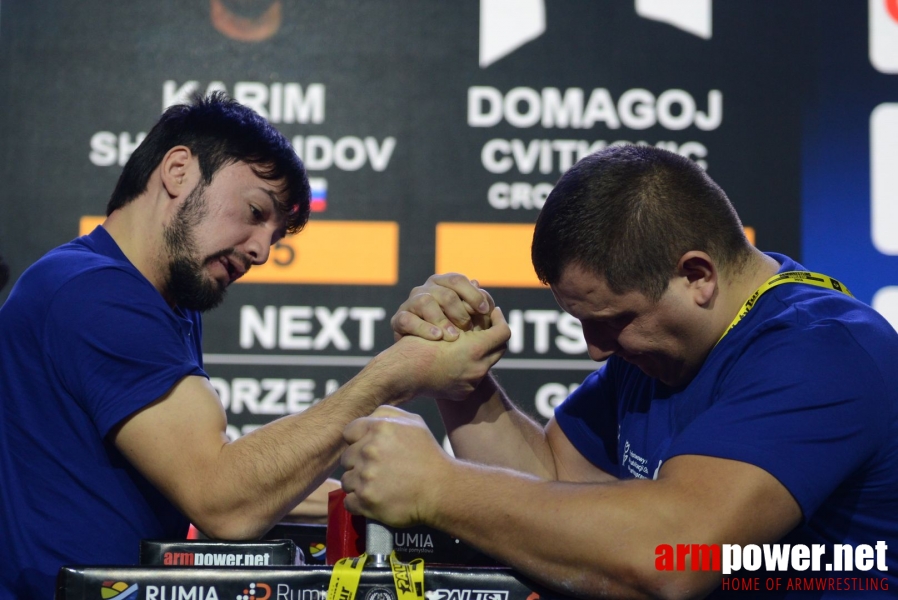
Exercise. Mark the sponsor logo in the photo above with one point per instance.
(118, 590)
(467, 595)
(317, 550)
(401, 578)
(379, 594)
(883, 41)
(635, 464)
(255, 591)
(180, 592)
(285, 592)
(210, 559)
(178, 559)
(414, 542)
(731, 558)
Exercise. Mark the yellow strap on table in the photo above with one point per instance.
(408, 578)
(345, 578)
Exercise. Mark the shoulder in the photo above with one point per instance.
(811, 349)
(805, 307)
(826, 321)
(75, 262)
(80, 287)
(799, 314)
(616, 382)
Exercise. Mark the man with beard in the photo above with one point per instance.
(109, 429)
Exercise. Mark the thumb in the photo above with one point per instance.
(499, 332)
(356, 430)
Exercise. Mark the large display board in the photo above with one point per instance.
(433, 132)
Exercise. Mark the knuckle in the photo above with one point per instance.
(456, 279)
(400, 319)
(421, 299)
(404, 321)
(442, 294)
(368, 454)
(462, 319)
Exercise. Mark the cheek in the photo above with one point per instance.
(637, 338)
(601, 340)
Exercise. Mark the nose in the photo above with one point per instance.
(598, 354)
(600, 344)
(258, 247)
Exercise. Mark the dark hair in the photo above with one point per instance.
(629, 213)
(219, 131)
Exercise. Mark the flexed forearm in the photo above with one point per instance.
(488, 428)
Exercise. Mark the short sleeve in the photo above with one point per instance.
(115, 345)
(790, 407)
(588, 417)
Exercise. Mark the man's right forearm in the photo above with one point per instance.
(488, 428)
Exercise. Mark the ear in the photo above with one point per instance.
(179, 171)
(700, 275)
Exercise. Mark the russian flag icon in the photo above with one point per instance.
(319, 193)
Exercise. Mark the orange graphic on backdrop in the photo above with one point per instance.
(326, 252)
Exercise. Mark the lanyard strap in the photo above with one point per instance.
(345, 578)
(407, 578)
(807, 277)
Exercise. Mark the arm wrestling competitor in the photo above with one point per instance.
(110, 431)
(713, 420)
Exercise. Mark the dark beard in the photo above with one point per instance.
(187, 283)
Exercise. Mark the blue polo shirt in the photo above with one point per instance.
(85, 341)
(803, 387)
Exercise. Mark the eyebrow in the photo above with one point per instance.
(275, 201)
(279, 211)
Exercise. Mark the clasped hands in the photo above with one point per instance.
(448, 334)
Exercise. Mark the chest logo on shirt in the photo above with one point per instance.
(635, 464)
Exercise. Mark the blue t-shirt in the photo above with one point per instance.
(85, 341)
(803, 387)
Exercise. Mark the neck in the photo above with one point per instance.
(142, 245)
(742, 285)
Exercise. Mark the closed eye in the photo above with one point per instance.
(615, 323)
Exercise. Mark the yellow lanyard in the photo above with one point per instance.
(807, 277)
(408, 578)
